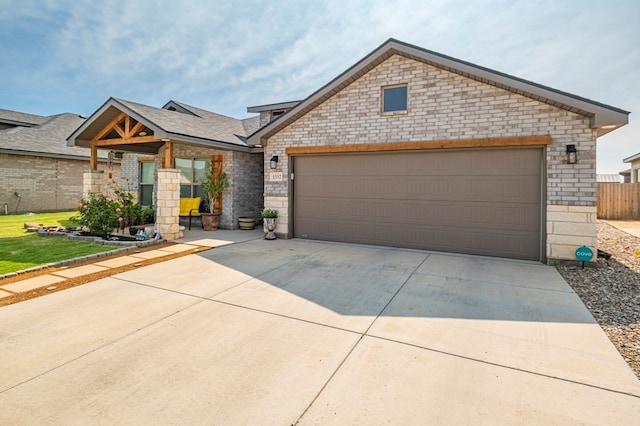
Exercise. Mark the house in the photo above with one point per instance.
(411, 148)
(172, 146)
(609, 178)
(634, 171)
(625, 176)
(38, 171)
(407, 148)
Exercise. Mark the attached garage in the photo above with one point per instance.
(485, 201)
(411, 148)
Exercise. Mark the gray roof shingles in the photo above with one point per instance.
(203, 124)
(21, 118)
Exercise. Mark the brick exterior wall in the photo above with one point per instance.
(45, 184)
(248, 186)
(443, 106)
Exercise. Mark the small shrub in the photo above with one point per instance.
(269, 213)
(100, 213)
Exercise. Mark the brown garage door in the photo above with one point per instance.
(484, 202)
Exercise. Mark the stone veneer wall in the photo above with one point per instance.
(446, 106)
(168, 203)
(45, 183)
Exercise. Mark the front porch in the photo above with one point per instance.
(174, 144)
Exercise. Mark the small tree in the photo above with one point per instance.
(213, 184)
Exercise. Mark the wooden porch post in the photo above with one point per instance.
(93, 161)
(167, 162)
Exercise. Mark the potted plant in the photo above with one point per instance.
(270, 216)
(213, 184)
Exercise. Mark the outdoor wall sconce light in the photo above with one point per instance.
(572, 154)
(274, 162)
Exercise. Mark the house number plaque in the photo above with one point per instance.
(275, 176)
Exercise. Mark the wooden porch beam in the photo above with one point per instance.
(424, 145)
(126, 141)
(136, 129)
(109, 127)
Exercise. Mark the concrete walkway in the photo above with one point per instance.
(299, 332)
(192, 240)
(629, 226)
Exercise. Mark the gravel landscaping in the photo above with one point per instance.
(611, 291)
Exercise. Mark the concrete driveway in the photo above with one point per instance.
(297, 332)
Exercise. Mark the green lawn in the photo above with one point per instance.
(20, 249)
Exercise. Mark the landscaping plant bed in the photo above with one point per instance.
(110, 240)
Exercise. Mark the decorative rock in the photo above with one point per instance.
(612, 291)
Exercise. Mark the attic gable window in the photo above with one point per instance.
(394, 98)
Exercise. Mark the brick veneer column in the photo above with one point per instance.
(92, 181)
(168, 203)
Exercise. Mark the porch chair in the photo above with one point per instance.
(190, 207)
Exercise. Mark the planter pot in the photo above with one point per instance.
(210, 221)
(270, 224)
(247, 223)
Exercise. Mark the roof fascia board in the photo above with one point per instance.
(71, 139)
(632, 158)
(271, 107)
(48, 155)
(210, 143)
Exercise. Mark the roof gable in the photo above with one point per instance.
(175, 121)
(603, 118)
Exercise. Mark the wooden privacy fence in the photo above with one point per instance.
(619, 201)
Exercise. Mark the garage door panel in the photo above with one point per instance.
(480, 202)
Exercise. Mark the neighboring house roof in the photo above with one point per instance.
(16, 118)
(45, 140)
(609, 178)
(625, 173)
(632, 159)
(604, 118)
(176, 121)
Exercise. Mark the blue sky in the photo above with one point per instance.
(71, 56)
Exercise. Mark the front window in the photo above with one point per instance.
(394, 98)
(191, 173)
(147, 169)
